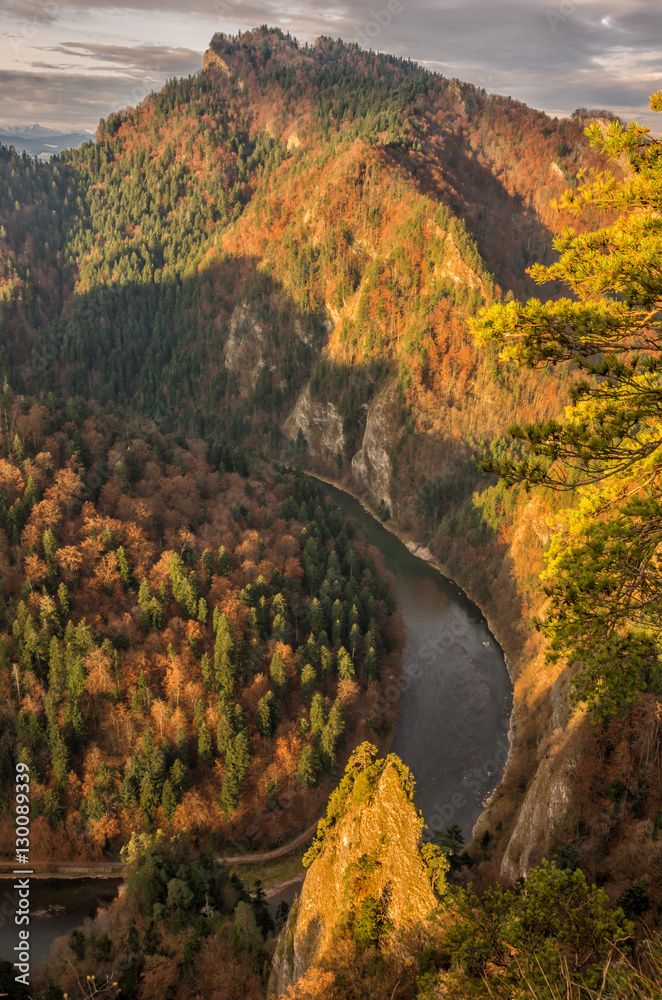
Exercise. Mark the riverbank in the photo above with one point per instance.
(420, 551)
(456, 695)
(58, 905)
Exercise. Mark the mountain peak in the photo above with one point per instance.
(29, 130)
(254, 50)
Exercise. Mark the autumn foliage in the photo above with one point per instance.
(181, 648)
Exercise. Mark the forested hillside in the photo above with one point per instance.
(194, 259)
(284, 251)
(183, 645)
(285, 256)
(380, 916)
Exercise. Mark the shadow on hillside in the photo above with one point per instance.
(509, 234)
(222, 352)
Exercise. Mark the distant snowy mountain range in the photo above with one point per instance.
(39, 140)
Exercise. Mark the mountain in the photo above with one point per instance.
(230, 189)
(30, 131)
(37, 140)
(281, 255)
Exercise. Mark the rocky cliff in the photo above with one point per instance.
(371, 465)
(367, 861)
(320, 423)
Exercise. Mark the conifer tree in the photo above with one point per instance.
(223, 669)
(149, 801)
(225, 728)
(308, 681)
(604, 575)
(307, 767)
(168, 799)
(224, 564)
(204, 744)
(59, 755)
(207, 565)
(64, 599)
(237, 762)
(266, 714)
(328, 743)
(278, 672)
(279, 627)
(207, 671)
(326, 659)
(124, 568)
(345, 665)
(317, 714)
(316, 617)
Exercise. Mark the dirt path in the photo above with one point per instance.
(277, 888)
(111, 869)
(252, 859)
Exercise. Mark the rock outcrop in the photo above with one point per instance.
(212, 60)
(369, 850)
(549, 797)
(243, 349)
(320, 424)
(371, 465)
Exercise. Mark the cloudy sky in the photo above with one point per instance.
(65, 63)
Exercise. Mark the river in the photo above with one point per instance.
(452, 729)
(57, 907)
(456, 695)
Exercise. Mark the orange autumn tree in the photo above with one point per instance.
(159, 653)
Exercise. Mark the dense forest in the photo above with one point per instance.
(185, 928)
(310, 256)
(170, 264)
(188, 641)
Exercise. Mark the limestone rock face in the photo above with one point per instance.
(454, 266)
(212, 60)
(372, 850)
(243, 349)
(371, 465)
(320, 424)
(540, 821)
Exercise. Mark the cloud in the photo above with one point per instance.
(556, 53)
(73, 98)
(552, 54)
(39, 64)
(145, 58)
